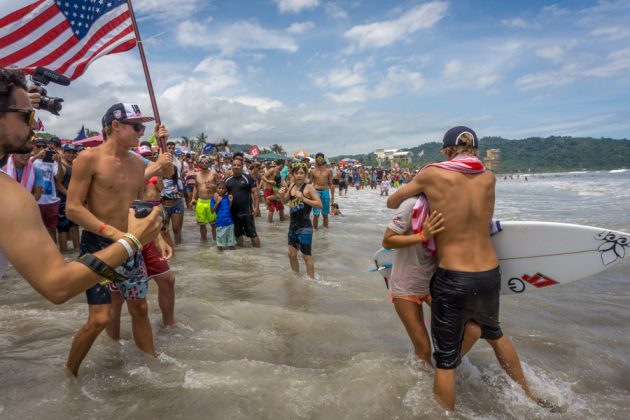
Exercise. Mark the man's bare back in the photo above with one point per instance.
(466, 202)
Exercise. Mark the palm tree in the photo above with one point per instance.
(278, 149)
(186, 142)
(200, 141)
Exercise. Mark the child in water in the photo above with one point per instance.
(334, 210)
(411, 274)
(221, 203)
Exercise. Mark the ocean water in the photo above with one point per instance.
(254, 341)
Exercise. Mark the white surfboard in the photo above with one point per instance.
(540, 255)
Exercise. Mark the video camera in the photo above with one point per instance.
(41, 77)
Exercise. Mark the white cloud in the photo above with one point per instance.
(218, 73)
(295, 6)
(612, 33)
(263, 105)
(398, 80)
(341, 77)
(555, 53)
(546, 79)
(554, 10)
(486, 80)
(519, 23)
(354, 94)
(243, 35)
(452, 68)
(618, 62)
(606, 6)
(335, 11)
(384, 33)
(300, 27)
(164, 10)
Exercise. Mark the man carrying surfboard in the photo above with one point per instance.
(466, 284)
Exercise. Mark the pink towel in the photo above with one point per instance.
(466, 164)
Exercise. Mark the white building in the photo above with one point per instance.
(392, 155)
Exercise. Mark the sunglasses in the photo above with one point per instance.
(28, 114)
(40, 146)
(137, 127)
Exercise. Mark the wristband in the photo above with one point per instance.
(101, 268)
(128, 247)
(102, 228)
(135, 240)
(422, 237)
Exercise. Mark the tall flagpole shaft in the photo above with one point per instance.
(147, 75)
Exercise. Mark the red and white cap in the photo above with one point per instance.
(124, 112)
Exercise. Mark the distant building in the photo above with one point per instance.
(392, 155)
(492, 161)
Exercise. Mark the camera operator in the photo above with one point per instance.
(45, 160)
(22, 234)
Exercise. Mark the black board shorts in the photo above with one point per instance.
(459, 297)
(244, 225)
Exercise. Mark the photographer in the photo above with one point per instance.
(46, 161)
(22, 232)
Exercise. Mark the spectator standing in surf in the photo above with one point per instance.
(322, 177)
(205, 187)
(244, 191)
(66, 228)
(467, 282)
(301, 198)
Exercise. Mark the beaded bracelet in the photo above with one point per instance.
(135, 240)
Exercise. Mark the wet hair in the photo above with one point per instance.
(335, 206)
(9, 81)
(466, 148)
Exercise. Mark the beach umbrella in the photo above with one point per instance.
(90, 141)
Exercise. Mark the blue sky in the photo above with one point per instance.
(352, 76)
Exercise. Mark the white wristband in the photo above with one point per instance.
(128, 247)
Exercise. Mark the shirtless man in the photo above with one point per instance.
(52, 277)
(106, 180)
(272, 182)
(156, 263)
(321, 177)
(205, 187)
(467, 282)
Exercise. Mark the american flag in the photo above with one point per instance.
(64, 36)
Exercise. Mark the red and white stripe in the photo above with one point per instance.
(40, 35)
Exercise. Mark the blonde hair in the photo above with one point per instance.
(466, 146)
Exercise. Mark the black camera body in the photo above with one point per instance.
(142, 208)
(41, 77)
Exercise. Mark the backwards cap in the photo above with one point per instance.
(453, 137)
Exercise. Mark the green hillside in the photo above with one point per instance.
(550, 154)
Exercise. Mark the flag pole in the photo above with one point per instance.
(147, 75)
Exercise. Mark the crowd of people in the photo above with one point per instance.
(445, 259)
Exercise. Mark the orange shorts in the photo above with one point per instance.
(417, 299)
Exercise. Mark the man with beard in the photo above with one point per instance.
(52, 277)
(321, 177)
